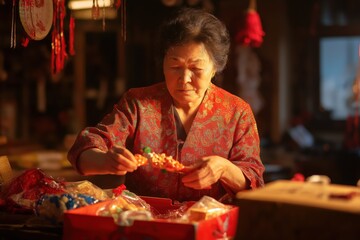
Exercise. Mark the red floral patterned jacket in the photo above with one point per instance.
(224, 126)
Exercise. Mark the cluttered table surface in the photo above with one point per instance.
(279, 202)
(42, 197)
(18, 225)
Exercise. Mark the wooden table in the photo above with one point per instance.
(22, 226)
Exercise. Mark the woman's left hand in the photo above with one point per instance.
(209, 172)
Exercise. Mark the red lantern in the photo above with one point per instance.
(251, 32)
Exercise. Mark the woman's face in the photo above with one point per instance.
(188, 71)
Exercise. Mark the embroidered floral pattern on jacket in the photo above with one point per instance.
(224, 125)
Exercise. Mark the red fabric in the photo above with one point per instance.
(251, 33)
(28, 188)
(224, 126)
(71, 35)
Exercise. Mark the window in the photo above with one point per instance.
(339, 65)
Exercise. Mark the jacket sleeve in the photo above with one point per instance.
(116, 128)
(245, 152)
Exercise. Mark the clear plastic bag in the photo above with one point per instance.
(126, 201)
(87, 188)
(206, 208)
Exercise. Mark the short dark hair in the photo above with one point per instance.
(190, 24)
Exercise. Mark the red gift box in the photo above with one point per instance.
(83, 223)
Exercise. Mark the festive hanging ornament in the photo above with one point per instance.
(71, 35)
(36, 17)
(95, 11)
(103, 15)
(251, 32)
(58, 46)
(117, 4)
(25, 42)
(13, 25)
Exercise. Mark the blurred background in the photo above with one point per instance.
(302, 81)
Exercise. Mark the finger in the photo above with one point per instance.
(127, 164)
(196, 175)
(121, 163)
(118, 149)
(192, 167)
(116, 171)
(121, 173)
(126, 153)
(198, 183)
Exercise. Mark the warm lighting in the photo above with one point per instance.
(87, 4)
(82, 9)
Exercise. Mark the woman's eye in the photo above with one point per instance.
(196, 69)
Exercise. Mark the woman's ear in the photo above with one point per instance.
(213, 74)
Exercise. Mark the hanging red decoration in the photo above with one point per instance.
(58, 46)
(118, 4)
(36, 17)
(13, 25)
(71, 35)
(25, 42)
(251, 32)
(95, 10)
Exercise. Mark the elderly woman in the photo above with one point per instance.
(186, 117)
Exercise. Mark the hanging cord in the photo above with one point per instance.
(13, 26)
(252, 5)
(122, 5)
(123, 20)
(103, 16)
(95, 10)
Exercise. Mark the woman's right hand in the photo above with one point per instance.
(120, 160)
(117, 160)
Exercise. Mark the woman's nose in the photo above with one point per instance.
(185, 76)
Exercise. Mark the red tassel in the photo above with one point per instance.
(118, 4)
(58, 41)
(71, 36)
(63, 54)
(251, 34)
(25, 42)
(52, 64)
(53, 38)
